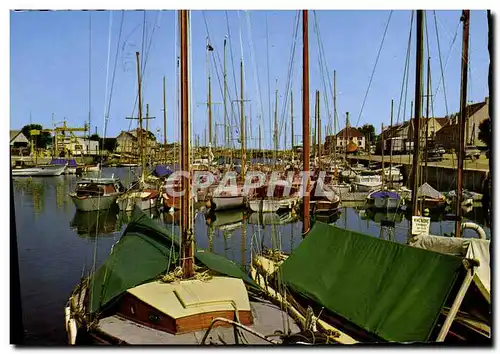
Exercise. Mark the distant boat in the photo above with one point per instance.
(39, 171)
(367, 183)
(384, 199)
(96, 193)
(70, 164)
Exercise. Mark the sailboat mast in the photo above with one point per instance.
(319, 128)
(390, 158)
(418, 105)
(305, 116)
(242, 133)
(276, 126)
(463, 118)
(187, 242)
(335, 113)
(383, 148)
(226, 142)
(291, 119)
(427, 116)
(209, 100)
(140, 135)
(164, 120)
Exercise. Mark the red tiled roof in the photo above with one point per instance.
(350, 132)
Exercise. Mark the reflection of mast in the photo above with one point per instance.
(243, 241)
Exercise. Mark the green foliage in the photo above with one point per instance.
(41, 141)
(94, 137)
(485, 132)
(368, 131)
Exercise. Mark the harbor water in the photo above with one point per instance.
(57, 244)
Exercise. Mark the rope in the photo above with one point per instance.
(374, 67)
(177, 275)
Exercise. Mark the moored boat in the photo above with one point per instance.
(96, 193)
(39, 171)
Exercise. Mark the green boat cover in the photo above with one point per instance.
(388, 289)
(141, 255)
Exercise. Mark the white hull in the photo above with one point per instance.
(386, 203)
(128, 202)
(264, 205)
(225, 203)
(340, 189)
(43, 171)
(366, 187)
(70, 171)
(94, 203)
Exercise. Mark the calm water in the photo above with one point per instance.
(57, 244)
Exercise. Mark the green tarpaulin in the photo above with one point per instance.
(388, 289)
(141, 255)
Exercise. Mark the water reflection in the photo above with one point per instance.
(96, 223)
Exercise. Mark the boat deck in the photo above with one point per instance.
(268, 319)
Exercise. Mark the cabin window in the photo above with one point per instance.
(132, 309)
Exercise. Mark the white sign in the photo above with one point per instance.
(420, 225)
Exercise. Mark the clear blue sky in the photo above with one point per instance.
(49, 57)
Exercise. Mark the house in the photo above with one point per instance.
(344, 137)
(128, 142)
(18, 139)
(476, 113)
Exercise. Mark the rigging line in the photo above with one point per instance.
(322, 63)
(145, 60)
(217, 57)
(234, 73)
(290, 74)
(107, 64)
(90, 69)
(374, 67)
(285, 107)
(440, 62)
(255, 67)
(116, 62)
(447, 59)
(404, 88)
(268, 78)
(104, 134)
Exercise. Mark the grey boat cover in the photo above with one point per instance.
(471, 248)
(425, 190)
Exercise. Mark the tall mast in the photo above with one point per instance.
(383, 148)
(305, 116)
(335, 113)
(242, 133)
(291, 119)
(226, 142)
(140, 135)
(463, 118)
(319, 128)
(315, 136)
(418, 105)
(147, 131)
(186, 232)
(427, 116)
(209, 100)
(164, 120)
(390, 159)
(276, 126)
(345, 133)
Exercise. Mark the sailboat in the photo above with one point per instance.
(151, 300)
(144, 198)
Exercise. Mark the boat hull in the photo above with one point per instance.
(43, 171)
(264, 205)
(366, 187)
(127, 203)
(94, 203)
(226, 203)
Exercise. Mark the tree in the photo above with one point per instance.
(42, 140)
(485, 133)
(368, 131)
(94, 137)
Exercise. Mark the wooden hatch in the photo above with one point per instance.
(188, 305)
